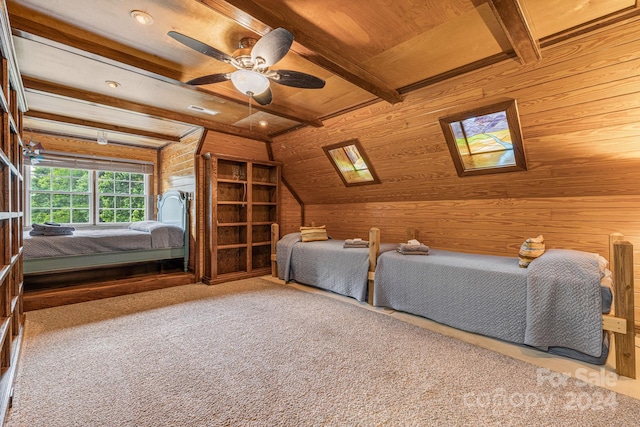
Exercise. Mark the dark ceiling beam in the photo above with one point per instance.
(456, 72)
(62, 36)
(40, 115)
(110, 101)
(514, 24)
(631, 12)
(311, 43)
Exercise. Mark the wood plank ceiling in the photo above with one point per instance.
(366, 51)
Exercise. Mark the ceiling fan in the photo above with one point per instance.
(252, 61)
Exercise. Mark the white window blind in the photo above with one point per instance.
(55, 159)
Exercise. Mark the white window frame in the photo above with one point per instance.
(28, 191)
(96, 197)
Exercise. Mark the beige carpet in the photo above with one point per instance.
(254, 353)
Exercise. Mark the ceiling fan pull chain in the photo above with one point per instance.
(250, 120)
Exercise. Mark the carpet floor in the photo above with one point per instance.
(255, 353)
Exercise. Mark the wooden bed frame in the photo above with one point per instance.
(621, 322)
(173, 208)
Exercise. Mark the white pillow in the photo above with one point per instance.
(145, 226)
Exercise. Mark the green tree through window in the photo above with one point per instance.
(121, 196)
(59, 195)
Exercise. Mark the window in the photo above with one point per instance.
(60, 195)
(351, 163)
(85, 196)
(121, 196)
(485, 140)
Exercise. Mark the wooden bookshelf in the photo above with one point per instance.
(12, 106)
(243, 198)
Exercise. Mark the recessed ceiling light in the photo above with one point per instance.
(200, 109)
(142, 18)
(112, 84)
(263, 123)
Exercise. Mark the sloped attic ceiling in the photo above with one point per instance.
(366, 51)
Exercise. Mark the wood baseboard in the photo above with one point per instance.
(230, 277)
(36, 300)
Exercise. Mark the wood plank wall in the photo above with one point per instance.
(291, 212)
(177, 172)
(91, 148)
(230, 145)
(580, 113)
(177, 164)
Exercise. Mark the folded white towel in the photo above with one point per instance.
(357, 242)
(413, 242)
(407, 249)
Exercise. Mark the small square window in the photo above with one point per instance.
(485, 140)
(351, 162)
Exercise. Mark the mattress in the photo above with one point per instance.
(149, 235)
(493, 296)
(325, 264)
(477, 293)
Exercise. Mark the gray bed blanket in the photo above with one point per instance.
(325, 264)
(284, 247)
(91, 241)
(564, 302)
(163, 235)
(484, 294)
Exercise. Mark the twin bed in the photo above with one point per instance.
(328, 265)
(559, 304)
(166, 238)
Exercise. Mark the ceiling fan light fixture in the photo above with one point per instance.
(142, 18)
(249, 82)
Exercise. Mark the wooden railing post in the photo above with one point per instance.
(613, 238)
(275, 236)
(623, 305)
(210, 263)
(374, 251)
